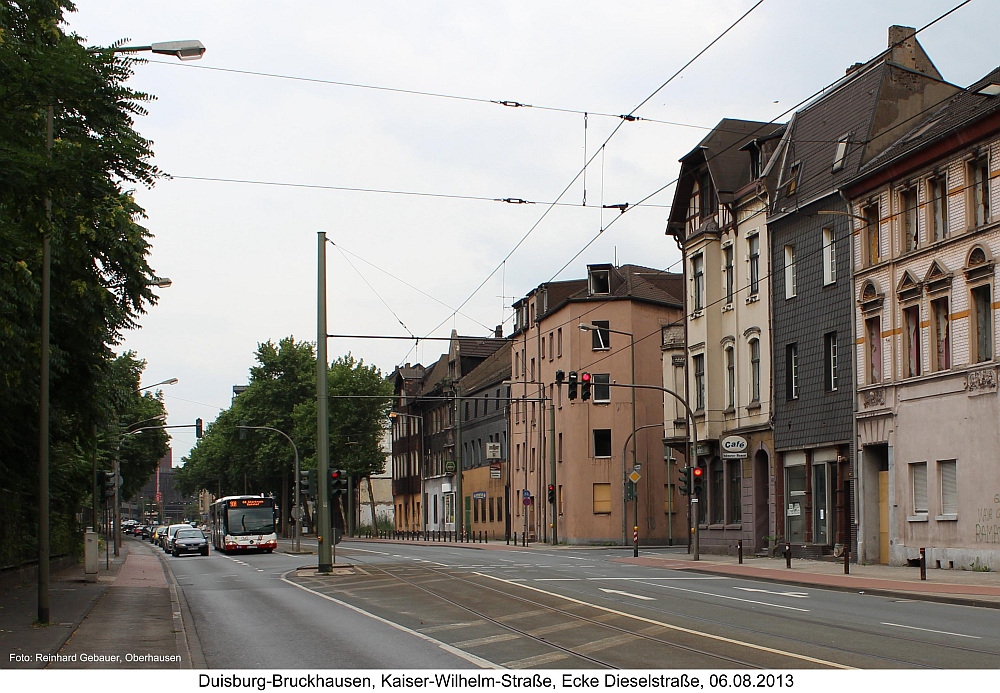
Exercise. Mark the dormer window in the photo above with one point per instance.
(840, 156)
(600, 282)
(792, 185)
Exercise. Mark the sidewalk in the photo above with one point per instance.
(129, 618)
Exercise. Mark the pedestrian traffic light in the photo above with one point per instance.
(585, 382)
(571, 389)
(552, 493)
(698, 480)
(198, 428)
(684, 483)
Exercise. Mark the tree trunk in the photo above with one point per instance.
(371, 501)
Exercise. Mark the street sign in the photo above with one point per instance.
(449, 467)
(493, 451)
(527, 500)
(479, 495)
(634, 477)
(526, 493)
(494, 470)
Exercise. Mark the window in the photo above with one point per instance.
(735, 491)
(489, 504)
(600, 281)
(911, 341)
(699, 381)
(830, 361)
(717, 491)
(947, 473)
(918, 478)
(829, 257)
(550, 346)
(543, 347)
(982, 315)
(979, 191)
(730, 377)
(754, 253)
(601, 337)
(755, 370)
(791, 371)
(873, 336)
(727, 253)
(873, 241)
(559, 343)
(707, 191)
(937, 208)
(792, 186)
(602, 387)
(602, 442)
(532, 371)
(560, 499)
(941, 328)
(602, 499)
(908, 219)
(559, 448)
(698, 275)
(840, 156)
(789, 271)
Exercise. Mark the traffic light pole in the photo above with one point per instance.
(693, 435)
(625, 482)
(324, 537)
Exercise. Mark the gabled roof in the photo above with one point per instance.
(494, 369)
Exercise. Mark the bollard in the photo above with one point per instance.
(923, 564)
(847, 559)
(788, 554)
(739, 550)
(515, 538)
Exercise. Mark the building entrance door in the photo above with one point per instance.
(795, 497)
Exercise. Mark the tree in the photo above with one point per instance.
(100, 275)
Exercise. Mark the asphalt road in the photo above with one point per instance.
(561, 609)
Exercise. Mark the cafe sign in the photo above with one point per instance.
(734, 448)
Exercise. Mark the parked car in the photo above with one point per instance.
(189, 541)
(146, 531)
(168, 536)
(154, 538)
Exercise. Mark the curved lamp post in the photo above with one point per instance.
(298, 483)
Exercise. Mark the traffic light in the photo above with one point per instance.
(198, 432)
(307, 483)
(338, 482)
(571, 390)
(698, 480)
(585, 382)
(552, 493)
(560, 377)
(105, 485)
(684, 483)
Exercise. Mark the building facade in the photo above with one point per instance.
(608, 325)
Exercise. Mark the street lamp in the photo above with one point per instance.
(298, 482)
(184, 50)
(586, 327)
(171, 381)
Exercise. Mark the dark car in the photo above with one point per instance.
(190, 541)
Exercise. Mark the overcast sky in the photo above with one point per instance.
(242, 256)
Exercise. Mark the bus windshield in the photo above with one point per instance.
(250, 520)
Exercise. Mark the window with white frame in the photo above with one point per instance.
(840, 155)
(755, 370)
(729, 273)
(830, 371)
(753, 254)
(699, 381)
(829, 257)
(918, 482)
(698, 277)
(948, 482)
(730, 377)
(790, 288)
(791, 371)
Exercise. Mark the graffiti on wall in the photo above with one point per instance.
(988, 526)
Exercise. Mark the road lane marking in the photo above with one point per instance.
(451, 626)
(489, 640)
(478, 661)
(628, 594)
(679, 629)
(725, 596)
(797, 595)
(928, 630)
(637, 579)
(354, 548)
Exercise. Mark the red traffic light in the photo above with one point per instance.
(585, 377)
(698, 471)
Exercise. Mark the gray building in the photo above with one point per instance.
(813, 338)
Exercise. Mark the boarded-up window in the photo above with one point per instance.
(918, 473)
(949, 487)
(602, 499)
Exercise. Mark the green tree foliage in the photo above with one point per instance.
(100, 275)
(282, 395)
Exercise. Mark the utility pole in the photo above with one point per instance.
(324, 534)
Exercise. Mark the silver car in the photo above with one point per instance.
(168, 536)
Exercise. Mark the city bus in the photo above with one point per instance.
(243, 523)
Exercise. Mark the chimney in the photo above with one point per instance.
(853, 68)
(498, 332)
(903, 46)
